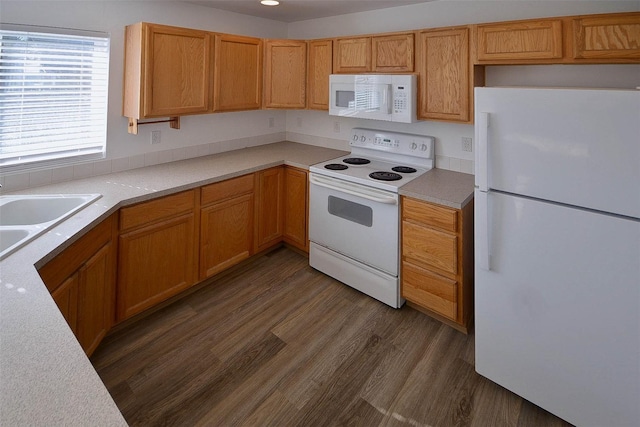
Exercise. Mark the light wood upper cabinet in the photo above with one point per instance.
(295, 208)
(167, 71)
(82, 283)
(352, 55)
(157, 251)
(607, 37)
(392, 54)
(444, 70)
(523, 40)
(437, 261)
(226, 224)
(238, 73)
(319, 68)
(285, 73)
(269, 212)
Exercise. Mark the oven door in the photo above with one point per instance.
(356, 221)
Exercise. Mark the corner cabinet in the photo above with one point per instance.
(167, 72)
(158, 248)
(81, 280)
(237, 73)
(226, 224)
(296, 208)
(444, 70)
(319, 68)
(437, 261)
(285, 73)
(269, 212)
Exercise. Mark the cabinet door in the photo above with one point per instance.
(66, 297)
(238, 73)
(320, 67)
(155, 263)
(392, 54)
(269, 207)
(176, 71)
(285, 74)
(295, 208)
(608, 38)
(444, 92)
(526, 40)
(352, 55)
(96, 312)
(226, 234)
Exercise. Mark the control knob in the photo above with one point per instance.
(414, 145)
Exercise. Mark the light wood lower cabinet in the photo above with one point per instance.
(296, 208)
(157, 251)
(269, 215)
(226, 224)
(81, 280)
(437, 261)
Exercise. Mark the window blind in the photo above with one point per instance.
(53, 98)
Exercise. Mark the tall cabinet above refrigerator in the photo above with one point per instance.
(557, 249)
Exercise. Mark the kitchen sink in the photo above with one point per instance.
(23, 217)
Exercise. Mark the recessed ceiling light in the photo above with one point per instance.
(270, 2)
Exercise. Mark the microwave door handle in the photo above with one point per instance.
(385, 200)
(388, 98)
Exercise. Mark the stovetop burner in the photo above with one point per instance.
(336, 167)
(356, 161)
(385, 176)
(404, 169)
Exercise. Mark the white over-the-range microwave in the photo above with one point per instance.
(389, 97)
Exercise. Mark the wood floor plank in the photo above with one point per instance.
(275, 343)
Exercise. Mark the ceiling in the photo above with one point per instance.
(301, 10)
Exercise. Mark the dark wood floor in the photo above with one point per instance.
(277, 343)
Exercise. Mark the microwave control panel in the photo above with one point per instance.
(404, 98)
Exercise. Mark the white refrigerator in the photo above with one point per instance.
(557, 249)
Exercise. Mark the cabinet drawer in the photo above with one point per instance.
(430, 290)
(431, 215)
(155, 210)
(427, 246)
(226, 189)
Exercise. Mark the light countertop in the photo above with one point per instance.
(447, 188)
(45, 377)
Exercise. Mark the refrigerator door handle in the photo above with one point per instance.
(483, 257)
(482, 153)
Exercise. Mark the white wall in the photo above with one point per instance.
(202, 135)
(199, 135)
(318, 128)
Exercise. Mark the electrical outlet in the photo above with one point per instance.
(467, 144)
(336, 127)
(272, 122)
(155, 137)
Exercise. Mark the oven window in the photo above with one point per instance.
(345, 98)
(351, 211)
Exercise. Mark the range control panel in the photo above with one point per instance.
(393, 142)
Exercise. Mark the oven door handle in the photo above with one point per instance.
(364, 193)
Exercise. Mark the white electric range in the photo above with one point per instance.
(354, 209)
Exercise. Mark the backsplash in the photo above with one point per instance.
(21, 181)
